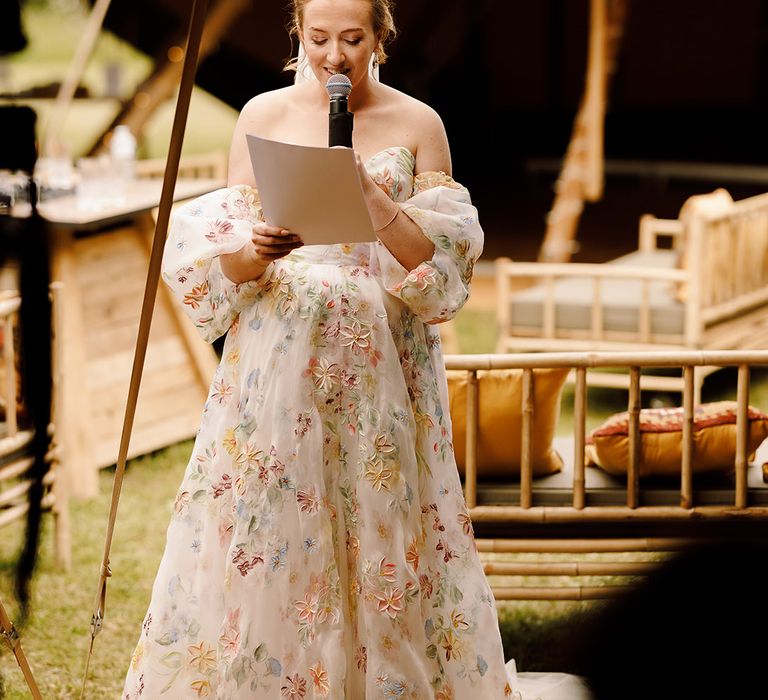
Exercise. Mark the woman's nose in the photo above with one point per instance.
(335, 55)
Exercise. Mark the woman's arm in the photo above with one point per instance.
(268, 243)
(395, 229)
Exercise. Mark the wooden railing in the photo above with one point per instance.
(536, 519)
(581, 363)
(15, 460)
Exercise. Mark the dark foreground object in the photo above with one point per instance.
(693, 630)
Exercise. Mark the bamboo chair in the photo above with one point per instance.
(585, 511)
(15, 439)
(205, 165)
(706, 289)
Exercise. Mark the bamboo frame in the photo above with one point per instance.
(742, 433)
(581, 546)
(579, 512)
(470, 468)
(155, 90)
(686, 466)
(75, 71)
(10, 635)
(579, 440)
(566, 515)
(578, 593)
(582, 174)
(724, 278)
(576, 568)
(633, 468)
(55, 498)
(526, 464)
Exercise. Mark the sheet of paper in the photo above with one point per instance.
(314, 192)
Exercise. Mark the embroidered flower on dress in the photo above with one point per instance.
(294, 688)
(390, 601)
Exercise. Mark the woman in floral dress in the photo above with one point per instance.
(320, 545)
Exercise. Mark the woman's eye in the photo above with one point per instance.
(318, 42)
(354, 42)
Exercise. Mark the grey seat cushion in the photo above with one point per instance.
(574, 298)
(606, 489)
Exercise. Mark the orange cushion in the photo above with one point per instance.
(661, 439)
(500, 419)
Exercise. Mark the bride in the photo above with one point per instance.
(320, 545)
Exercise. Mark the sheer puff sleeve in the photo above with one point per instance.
(212, 225)
(436, 290)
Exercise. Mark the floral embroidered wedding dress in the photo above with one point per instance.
(320, 545)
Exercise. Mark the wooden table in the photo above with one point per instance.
(101, 257)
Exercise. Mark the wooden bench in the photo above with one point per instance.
(583, 509)
(708, 290)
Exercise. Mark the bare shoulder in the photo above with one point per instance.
(260, 111)
(258, 117)
(428, 132)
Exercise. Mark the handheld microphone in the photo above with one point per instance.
(340, 119)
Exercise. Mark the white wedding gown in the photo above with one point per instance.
(320, 545)
(546, 686)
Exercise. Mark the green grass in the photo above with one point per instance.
(55, 638)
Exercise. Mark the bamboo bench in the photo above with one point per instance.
(583, 509)
(709, 290)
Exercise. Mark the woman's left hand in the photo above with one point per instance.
(382, 210)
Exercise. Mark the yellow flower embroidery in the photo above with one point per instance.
(203, 657)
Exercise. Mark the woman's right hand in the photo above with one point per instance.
(268, 243)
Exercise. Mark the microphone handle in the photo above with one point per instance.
(340, 129)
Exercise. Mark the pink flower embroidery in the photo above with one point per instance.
(220, 230)
(390, 601)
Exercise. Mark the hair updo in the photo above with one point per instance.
(382, 20)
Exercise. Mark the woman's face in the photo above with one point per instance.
(338, 37)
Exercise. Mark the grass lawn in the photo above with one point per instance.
(55, 638)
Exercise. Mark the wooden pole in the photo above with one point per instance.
(635, 446)
(579, 431)
(11, 388)
(742, 435)
(590, 360)
(581, 546)
(597, 79)
(470, 459)
(9, 634)
(526, 447)
(69, 85)
(576, 568)
(581, 177)
(62, 535)
(160, 85)
(197, 21)
(568, 593)
(686, 468)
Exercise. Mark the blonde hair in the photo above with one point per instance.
(382, 19)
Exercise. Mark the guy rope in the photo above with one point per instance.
(197, 21)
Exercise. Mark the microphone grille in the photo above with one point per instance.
(338, 86)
